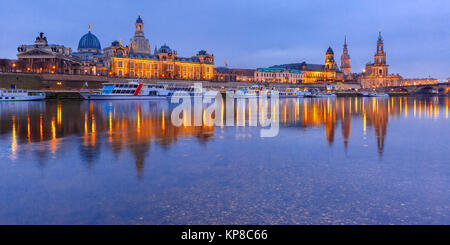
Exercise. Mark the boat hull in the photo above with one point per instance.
(88, 96)
(24, 98)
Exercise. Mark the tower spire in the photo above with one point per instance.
(89, 27)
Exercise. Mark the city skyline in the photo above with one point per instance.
(251, 34)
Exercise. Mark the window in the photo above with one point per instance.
(120, 64)
(155, 67)
(131, 65)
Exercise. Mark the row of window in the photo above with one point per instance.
(123, 91)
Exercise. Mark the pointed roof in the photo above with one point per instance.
(139, 20)
(380, 38)
(330, 50)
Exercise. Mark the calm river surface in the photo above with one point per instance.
(334, 161)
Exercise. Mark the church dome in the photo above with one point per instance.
(165, 49)
(89, 41)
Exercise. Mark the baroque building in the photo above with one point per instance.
(42, 57)
(278, 75)
(136, 60)
(317, 73)
(139, 45)
(90, 53)
(376, 74)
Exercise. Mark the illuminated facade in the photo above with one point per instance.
(278, 75)
(136, 61)
(419, 81)
(42, 57)
(316, 73)
(376, 74)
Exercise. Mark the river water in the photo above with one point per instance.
(333, 161)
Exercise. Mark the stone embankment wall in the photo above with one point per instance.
(76, 82)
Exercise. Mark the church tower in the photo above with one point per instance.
(139, 27)
(139, 45)
(345, 60)
(330, 64)
(380, 55)
(380, 68)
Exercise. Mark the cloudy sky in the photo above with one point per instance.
(249, 34)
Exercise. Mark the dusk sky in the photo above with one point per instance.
(249, 34)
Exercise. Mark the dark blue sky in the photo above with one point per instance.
(249, 34)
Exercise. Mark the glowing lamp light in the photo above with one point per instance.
(59, 83)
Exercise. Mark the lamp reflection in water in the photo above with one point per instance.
(135, 126)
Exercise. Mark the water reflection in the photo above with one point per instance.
(135, 126)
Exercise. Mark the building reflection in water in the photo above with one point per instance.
(136, 125)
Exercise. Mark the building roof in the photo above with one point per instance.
(301, 66)
(279, 70)
(89, 41)
(165, 49)
(139, 20)
(330, 50)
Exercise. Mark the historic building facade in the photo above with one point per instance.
(376, 74)
(316, 73)
(42, 57)
(278, 75)
(136, 60)
(225, 74)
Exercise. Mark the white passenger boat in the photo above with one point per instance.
(128, 91)
(19, 95)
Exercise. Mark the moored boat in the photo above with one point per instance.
(128, 91)
(20, 95)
